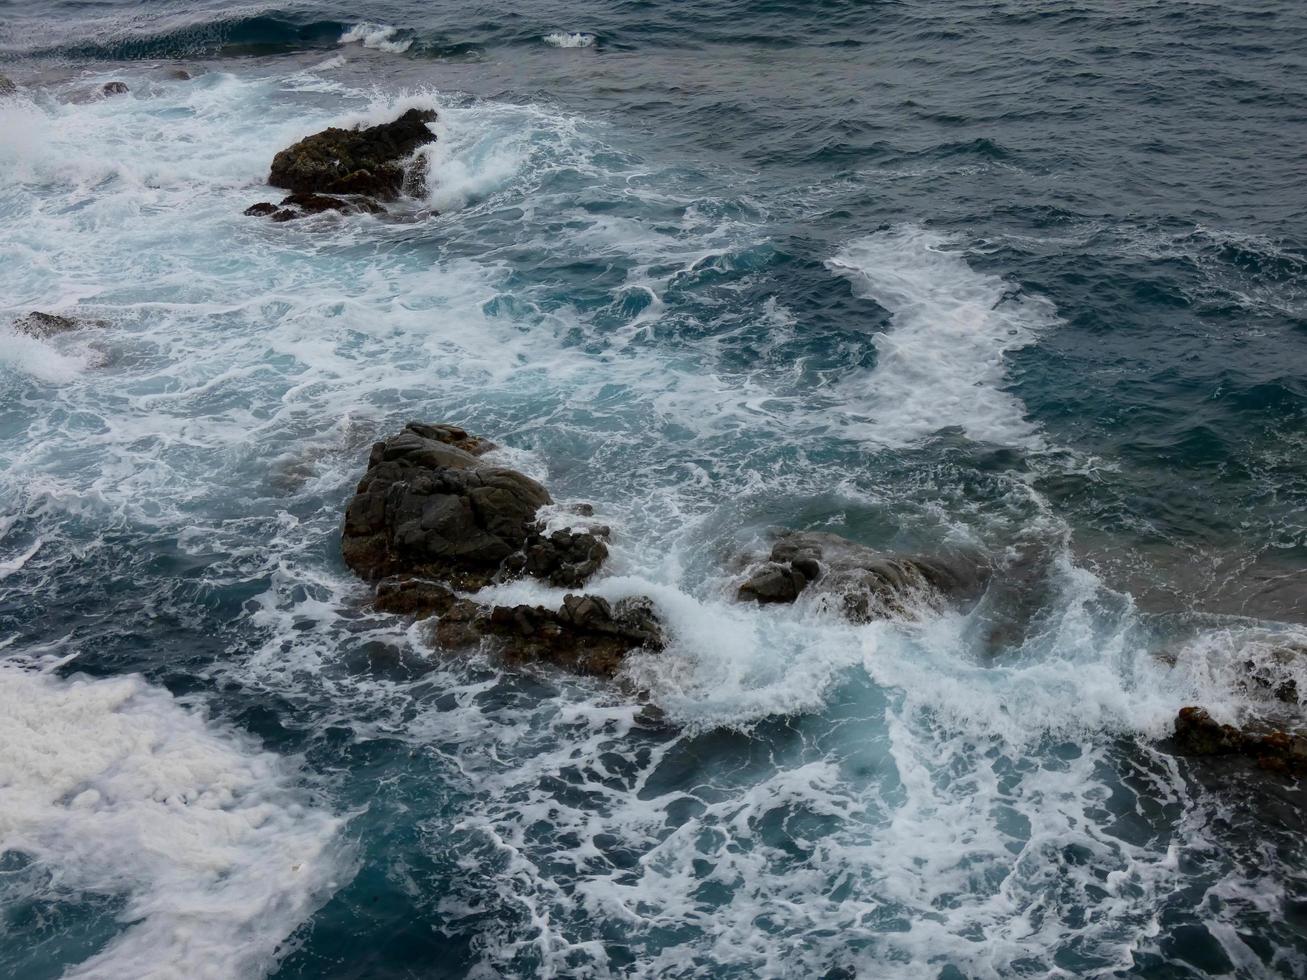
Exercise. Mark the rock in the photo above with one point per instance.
(179, 74)
(413, 597)
(585, 634)
(565, 558)
(428, 506)
(358, 161)
(775, 582)
(7, 87)
(317, 203)
(114, 88)
(1272, 671)
(860, 582)
(1197, 733)
(302, 205)
(43, 325)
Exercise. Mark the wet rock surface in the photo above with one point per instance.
(114, 88)
(45, 325)
(432, 518)
(860, 582)
(367, 161)
(302, 205)
(7, 87)
(429, 506)
(586, 634)
(1197, 733)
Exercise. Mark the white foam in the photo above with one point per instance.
(380, 37)
(569, 39)
(941, 364)
(114, 788)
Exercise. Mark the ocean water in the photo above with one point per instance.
(1025, 279)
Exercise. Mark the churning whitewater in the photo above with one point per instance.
(993, 317)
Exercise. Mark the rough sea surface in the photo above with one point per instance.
(1025, 278)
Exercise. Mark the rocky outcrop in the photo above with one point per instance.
(45, 325)
(114, 88)
(302, 205)
(432, 518)
(586, 634)
(859, 582)
(1197, 733)
(7, 87)
(369, 161)
(429, 506)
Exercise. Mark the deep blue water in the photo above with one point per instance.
(1028, 279)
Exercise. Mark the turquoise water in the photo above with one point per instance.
(933, 276)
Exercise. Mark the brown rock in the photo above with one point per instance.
(586, 634)
(1197, 733)
(430, 508)
(356, 161)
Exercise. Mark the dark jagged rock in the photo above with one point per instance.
(565, 558)
(356, 161)
(862, 583)
(179, 74)
(586, 634)
(1197, 733)
(302, 205)
(114, 88)
(43, 325)
(429, 506)
(7, 87)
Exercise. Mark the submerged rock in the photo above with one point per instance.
(43, 325)
(860, 582)
(302, 205)
(356, 161)
(179, 74)
(429, 506)
(586, 634)
(114, 88)
(1197, 733)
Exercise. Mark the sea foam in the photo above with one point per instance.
(114, 788)
(569, 39)
(380, 37)
(941, 364)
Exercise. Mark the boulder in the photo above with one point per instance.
(1197, 733)
(44, 325)
(357, 161)
(586, 634)
(114, 88)
(7, 87)
(179, 74)
(860, 582)
(429, 506)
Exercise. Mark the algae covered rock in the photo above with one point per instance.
(367, 161)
